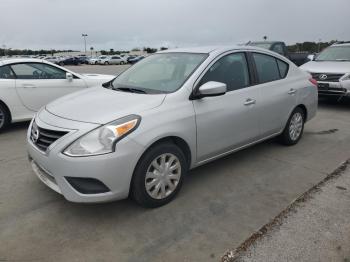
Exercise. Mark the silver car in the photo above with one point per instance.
(175, 110)
(331, 69)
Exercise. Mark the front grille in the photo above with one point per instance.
(326, 77)
(43, 138)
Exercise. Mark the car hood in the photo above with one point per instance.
(100, 105)
(96, 79)
(340, 67)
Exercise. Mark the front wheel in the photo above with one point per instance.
(4, 118)
(293, 131)
(159, 175)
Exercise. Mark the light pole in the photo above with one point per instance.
(84, 35)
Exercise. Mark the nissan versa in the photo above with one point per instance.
(175, 110)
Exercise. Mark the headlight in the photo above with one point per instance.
(103, 139)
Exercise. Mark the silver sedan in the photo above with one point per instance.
(175, 110)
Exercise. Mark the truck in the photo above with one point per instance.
(280, 47)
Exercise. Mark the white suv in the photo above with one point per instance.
(331, 69)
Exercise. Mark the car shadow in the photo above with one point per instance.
(20, 126)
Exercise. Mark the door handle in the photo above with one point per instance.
(249, 102)
(292, 91)
(28, 86)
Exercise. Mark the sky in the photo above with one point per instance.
(126, 24)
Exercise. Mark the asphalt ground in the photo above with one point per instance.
(220, 205)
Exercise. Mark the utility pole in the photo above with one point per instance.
(319, 45)
(84, 35)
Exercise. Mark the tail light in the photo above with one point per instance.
(313, 81)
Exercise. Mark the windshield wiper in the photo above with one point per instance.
(342, 59)
(130, 89)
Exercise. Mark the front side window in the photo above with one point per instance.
(6, 72)
(231, 70)
(37, 71)
(335, 53)
(159, 73)
(266, 67)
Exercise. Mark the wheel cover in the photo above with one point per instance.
(296, 126)
(163, 176)
(2, 118)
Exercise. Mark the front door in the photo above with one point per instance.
(37, 84)
(230, 121)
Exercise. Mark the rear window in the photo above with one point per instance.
(269, 68)
(283, 67)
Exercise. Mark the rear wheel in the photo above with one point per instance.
(106, 63)
(4, 117)
(159, 175)
(294, 129)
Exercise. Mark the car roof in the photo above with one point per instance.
(212, 49)
(6, 61)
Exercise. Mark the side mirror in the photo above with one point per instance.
(211, 88)
(69, 76)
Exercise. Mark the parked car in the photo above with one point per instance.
(28, 84)
(130, 57)
(281, 48)
(93, 61)
(171, 112)
(331, 69)
(69, 61)
(52, 59)
(113, 60)
(117, 60)
(136, 59)
(83, 59)
(103, 59)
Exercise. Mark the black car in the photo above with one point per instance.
(135, 59)
(83, 59)
(70, 61)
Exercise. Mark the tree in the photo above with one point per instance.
(163, 48)
(135, 49)
(265, 37)
(150, 50)
(91, 49)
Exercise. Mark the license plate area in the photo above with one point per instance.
(323, 86)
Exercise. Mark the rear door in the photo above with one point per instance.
(278, 97)
(232, 120)
(37, 84)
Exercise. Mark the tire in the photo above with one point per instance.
(61, 63)
(158, 182)
(121, 63)
(5, 118)
(295, 122)
(96, 63)
(106, 63)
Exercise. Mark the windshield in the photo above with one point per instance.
(159, 73)
(335, 53)
(262, 45)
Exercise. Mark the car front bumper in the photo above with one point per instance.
(341, 88)
(53, 168)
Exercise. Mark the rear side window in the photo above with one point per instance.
(283, 67)
(266, 67)
(6, 73)
(231, 70)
